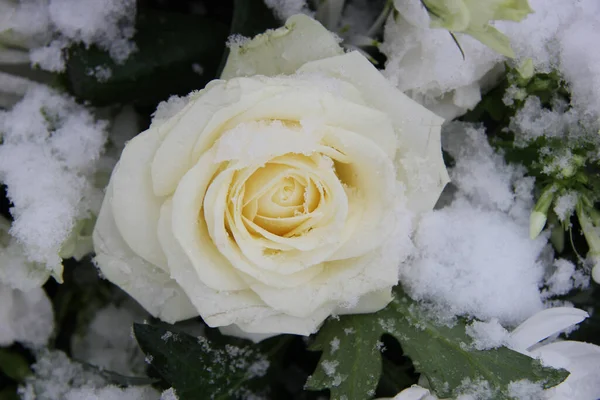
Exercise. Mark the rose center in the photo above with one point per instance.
(282, 197)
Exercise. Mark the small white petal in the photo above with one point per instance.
(544, 324)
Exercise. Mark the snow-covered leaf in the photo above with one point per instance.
(194, 365)
(350, 363)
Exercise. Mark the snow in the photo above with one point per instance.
(169, 394)
(58, 378)
(427, 65)
(51, 140)
(474, 257)
(108, 343)
(284, 9)
(487, 335)
(25, 316)
(559, 35)
(565, 277)
(17, 272)
(564, 205)
(48, 27)
(526, 390)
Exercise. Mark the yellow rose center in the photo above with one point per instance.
(282, 197)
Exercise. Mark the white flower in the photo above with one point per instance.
(582, 360)
(270, 201)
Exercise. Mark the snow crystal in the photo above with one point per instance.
(474, 390)
(169, 394)
(487, 335)
(58, 378)
(25, 317)
(533, 121)
(17, 272)
(483, 176)
(113, 393)
(329, 367)
(284, 9)
(52, 141)
(197, 68)
(167, 109)
(335, 344)
(107, 342)
(565, 277)
(526, 390)
(564, 205)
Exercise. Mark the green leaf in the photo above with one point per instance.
(177, 53)
(350, 364)
(439, 352)
(14, 365)
(195, 366)
(251, 17)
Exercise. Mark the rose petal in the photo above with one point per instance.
(191, 231)
(269, 53)
(150, 286)
(418, 129)
(344, 281)
(372, 175)
(134, 206)
(231, 249)
(309, 104)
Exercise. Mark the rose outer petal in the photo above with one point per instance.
(219, 308)
(133, 203)
(282, 51)
(418, 129)
(150, 286)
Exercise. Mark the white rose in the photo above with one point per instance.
(269, 202)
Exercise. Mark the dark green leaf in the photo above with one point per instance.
(196, 366)
(9, 393)
(350, 364)
(118, 379)
(14, 365)
(251, 17)
(439, 352)
(443, 355)
(172, 48)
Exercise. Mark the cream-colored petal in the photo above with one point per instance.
(342, 283)
(419, 158)
(150, 286)
(173, 157)
(315, 246)
(283, 50)
(231, 248)
(372, 180)
(311, 105)
(217, 308)
(368, 303)
(134, 205)
(278, 323)
(190, 229)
